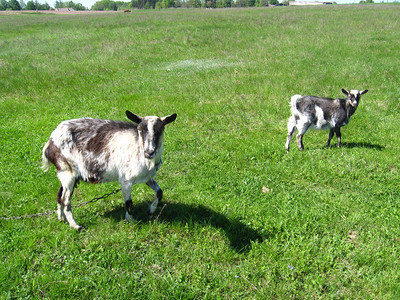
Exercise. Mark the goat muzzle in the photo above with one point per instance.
(149, 154)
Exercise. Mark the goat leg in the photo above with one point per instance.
(159, 194)
(300, 141)
(291, 130)
(331, 134)
(339, 137)
(126, 188)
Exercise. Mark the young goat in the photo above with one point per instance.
(96, 151)
(321, 113)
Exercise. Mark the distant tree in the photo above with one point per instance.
(167, 3)
(210, 3)
(145, 3)
(30, 5)
(14, 5)
(59, 4)
(70, 4)
(192, 3)
(273, 2)
(104, 5)
(152, 3)
(223, 3)
(261, 3)
(79, 6)
(3, 4)
(241, 3)
(227, 3)
(98, 6)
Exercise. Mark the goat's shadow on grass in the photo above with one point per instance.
(240, 236)
(363, 145)
(356, 145)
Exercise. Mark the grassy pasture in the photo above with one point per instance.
(242, 219)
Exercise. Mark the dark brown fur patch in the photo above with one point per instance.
(98, 142)
(91, 137)
(59, 194)
(54, 155)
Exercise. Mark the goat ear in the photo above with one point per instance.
(363, 92)
(345, 92)
(134, 118)
(169, 119)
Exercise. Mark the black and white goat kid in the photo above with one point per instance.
(321, 113)
(95, 151)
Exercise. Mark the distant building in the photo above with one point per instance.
(64, 9)
(292, 3)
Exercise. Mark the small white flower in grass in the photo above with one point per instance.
(291, 267)
(265, 190)
(237, 276)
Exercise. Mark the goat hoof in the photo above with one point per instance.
(62, 218)
(129, 218)
(78, 227)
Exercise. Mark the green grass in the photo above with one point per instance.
(328, 225)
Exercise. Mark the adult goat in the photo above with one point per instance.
(95, 151)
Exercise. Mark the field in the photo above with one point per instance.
(241, 218)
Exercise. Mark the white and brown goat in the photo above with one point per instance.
(321, 113)
(95, 151)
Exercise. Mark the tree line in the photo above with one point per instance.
(141, 4)
(20, 5)
(35, 5)
(134, 4)
(158, 4)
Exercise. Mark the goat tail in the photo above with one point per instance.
(294, 99)
(45, 160)
(293, 104)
